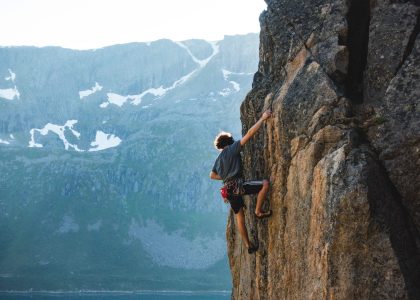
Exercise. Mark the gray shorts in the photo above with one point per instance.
(249, 188)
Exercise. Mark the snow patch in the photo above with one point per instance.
(4, 142)
(225, 92)
(12, 76)
(236, 86)
(94, 89)
(203, 62)
(226, 74)
(32, 143)
(9, 94)
(160, 91)
(57, 129)
(119, 100)
(12, 136)
(104, 141)
(116, 99)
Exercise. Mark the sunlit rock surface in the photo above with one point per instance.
(341, 152)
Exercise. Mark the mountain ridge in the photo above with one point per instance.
(103, 215)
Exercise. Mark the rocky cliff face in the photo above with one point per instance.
(341, 152)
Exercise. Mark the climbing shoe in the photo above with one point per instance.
(264, 214)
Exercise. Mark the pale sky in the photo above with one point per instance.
(87, 24)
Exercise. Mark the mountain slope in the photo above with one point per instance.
(105, 160)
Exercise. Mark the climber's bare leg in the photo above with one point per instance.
(240, 218)
(261, 196)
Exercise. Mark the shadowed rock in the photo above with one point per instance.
(341, 152)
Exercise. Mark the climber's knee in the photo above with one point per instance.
(266, 184)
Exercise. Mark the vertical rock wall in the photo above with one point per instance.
(341, 152)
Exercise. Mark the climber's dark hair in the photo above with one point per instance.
(222, 140)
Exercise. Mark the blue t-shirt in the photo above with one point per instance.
(229, 164)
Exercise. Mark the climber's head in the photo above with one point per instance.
(222, 140)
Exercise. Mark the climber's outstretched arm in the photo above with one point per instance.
(255, 127)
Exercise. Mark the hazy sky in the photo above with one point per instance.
(85, 24)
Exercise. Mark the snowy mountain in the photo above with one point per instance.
(104, 162)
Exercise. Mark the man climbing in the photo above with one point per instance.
(228, 167)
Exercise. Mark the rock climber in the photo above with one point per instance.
(228, 167)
